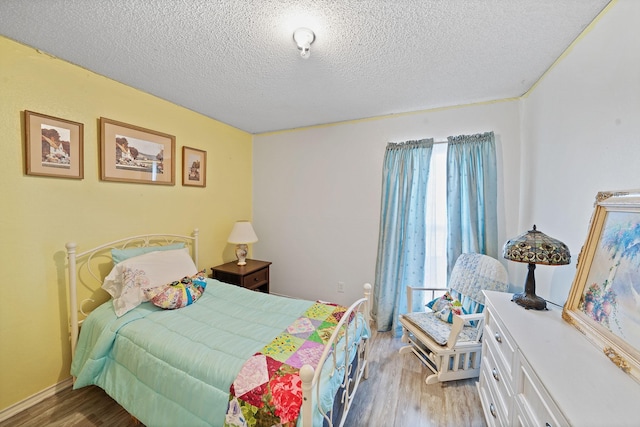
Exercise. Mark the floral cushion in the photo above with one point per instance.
(178, 294)
(445, 307)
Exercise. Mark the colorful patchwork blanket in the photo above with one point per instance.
(268, 390)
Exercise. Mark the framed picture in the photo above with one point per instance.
(130, 153)
(53, 146)
(604, 301)
(194, 167)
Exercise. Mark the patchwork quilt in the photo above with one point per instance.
(176, 367)
(268, 390)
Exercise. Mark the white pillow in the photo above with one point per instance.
(127, 279)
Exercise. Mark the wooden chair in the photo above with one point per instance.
(453, 350)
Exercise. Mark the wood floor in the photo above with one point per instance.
(394, 395)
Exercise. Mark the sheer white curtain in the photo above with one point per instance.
(435, 269)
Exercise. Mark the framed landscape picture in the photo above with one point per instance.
(53, 146)
(604, 301)
(131, 153)
(194, 167)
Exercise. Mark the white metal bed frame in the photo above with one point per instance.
(354, 371)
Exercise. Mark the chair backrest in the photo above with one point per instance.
(473, 273)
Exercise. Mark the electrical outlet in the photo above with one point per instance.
(341, 287)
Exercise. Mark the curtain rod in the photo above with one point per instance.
(477, 136)
(434, 142)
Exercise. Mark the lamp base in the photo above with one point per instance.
(529, 301)
(241, 253)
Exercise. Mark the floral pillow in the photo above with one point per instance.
(445, 307)
(127, 279)
(178, 294)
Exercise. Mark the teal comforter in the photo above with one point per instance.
(175, 367)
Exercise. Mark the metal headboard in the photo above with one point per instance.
(86, 257)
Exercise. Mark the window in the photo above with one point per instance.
(435, 272)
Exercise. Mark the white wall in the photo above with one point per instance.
(317, 190)
(581, 135)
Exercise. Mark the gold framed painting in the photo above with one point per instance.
(131, 153)
(604, 300)
(194, 167)
(53, 146)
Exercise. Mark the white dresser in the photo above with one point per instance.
(538, 370)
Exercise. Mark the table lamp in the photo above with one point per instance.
(535, 247)
(242, 234)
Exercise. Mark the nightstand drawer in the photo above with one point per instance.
(253, 275)
(257, 279)
(225, 277)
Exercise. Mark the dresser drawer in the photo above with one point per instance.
(500, 342)
(534, 405)
(501, 356)
(493, 373)
(490, 400)
(256, 279)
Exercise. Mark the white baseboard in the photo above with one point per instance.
(34, 399)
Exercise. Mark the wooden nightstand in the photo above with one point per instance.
(254, 275)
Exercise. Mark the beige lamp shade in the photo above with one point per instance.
(241, 234)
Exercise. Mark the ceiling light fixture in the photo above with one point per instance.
(303, 38)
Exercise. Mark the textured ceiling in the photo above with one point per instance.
(235, 60)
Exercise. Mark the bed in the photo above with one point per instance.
(228, 357)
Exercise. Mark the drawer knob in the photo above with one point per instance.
(494, 372)
(492, 409)
(498, 337)
(255, 279)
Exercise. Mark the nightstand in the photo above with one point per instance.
(254, 275)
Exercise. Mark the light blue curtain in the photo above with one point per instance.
(472, 218)
(401, 242)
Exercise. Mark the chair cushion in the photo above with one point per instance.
(437, 328)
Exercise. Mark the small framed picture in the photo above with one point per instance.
(53, 146)
(131, 153)
(194, 167)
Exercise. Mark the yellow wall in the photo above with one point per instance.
(40, 214)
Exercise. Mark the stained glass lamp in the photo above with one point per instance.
(535, 247)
